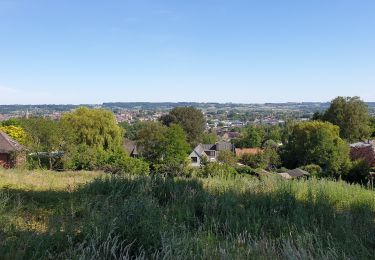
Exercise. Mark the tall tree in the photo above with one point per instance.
(318, 143)
(251, 137)
(163, 146)
(46, 135)
(351, 115)
(95, 128)
(191, 119)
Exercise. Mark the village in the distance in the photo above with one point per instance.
(220, 117)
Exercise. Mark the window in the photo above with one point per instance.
(194, 159)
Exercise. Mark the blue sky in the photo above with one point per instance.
(249, 51)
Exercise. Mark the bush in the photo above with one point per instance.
(243, 169)
(314, 169)
(358, 172)
(121, 163)
(253, 160)
(218, 169)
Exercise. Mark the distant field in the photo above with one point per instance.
(91, 215)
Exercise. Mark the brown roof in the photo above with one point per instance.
(242, 151)
(8, 145)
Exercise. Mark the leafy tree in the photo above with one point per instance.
(318, 143)
(131, 130)
(191, 119)
(15, 132)
(46, 135)
(149, 138)
(209, 138)
(11, 122)
(164, 147)
(252, 137)
(95, 128)
(351, 115)
(227, 157)
(273, 133)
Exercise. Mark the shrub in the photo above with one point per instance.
(218, 169)
(314, 169)
(121, 163)
(358, 172)
(243, 169)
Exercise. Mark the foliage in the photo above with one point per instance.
(252, 137)
(131, 130)
(11, 122)
(253, 160)
(209, 138)
(72, 215)
(227, 157)
(191, 119)
(166, 148)
(318, 143)
(359, 172)
(120, 163)
(15, 132)
(218, 169)
(313, 169)
(96, 128)
(351, 115)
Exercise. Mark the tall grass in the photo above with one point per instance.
(51, 215)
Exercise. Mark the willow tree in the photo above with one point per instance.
(95, 128)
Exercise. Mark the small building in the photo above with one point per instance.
(12, 154)
(363, 150)
(208, 151)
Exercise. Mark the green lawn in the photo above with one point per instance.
(91, 215)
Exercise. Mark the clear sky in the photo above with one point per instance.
(249, 51)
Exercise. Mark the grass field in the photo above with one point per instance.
(91, 215)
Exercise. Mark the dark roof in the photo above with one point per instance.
(298, 173)
(8, 145)
(224, 146)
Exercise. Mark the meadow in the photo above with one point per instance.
(93, 215)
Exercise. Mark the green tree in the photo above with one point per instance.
(227, 157)
(318, 143)
(46, 135)
(209, 138)
(351, 115)
(95, 128)
(163, 145)
(191, 119)
(252, 137)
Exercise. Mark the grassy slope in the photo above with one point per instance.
(44, 214)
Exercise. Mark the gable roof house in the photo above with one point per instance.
(363, 150)
(208, 151)
(12, 154)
